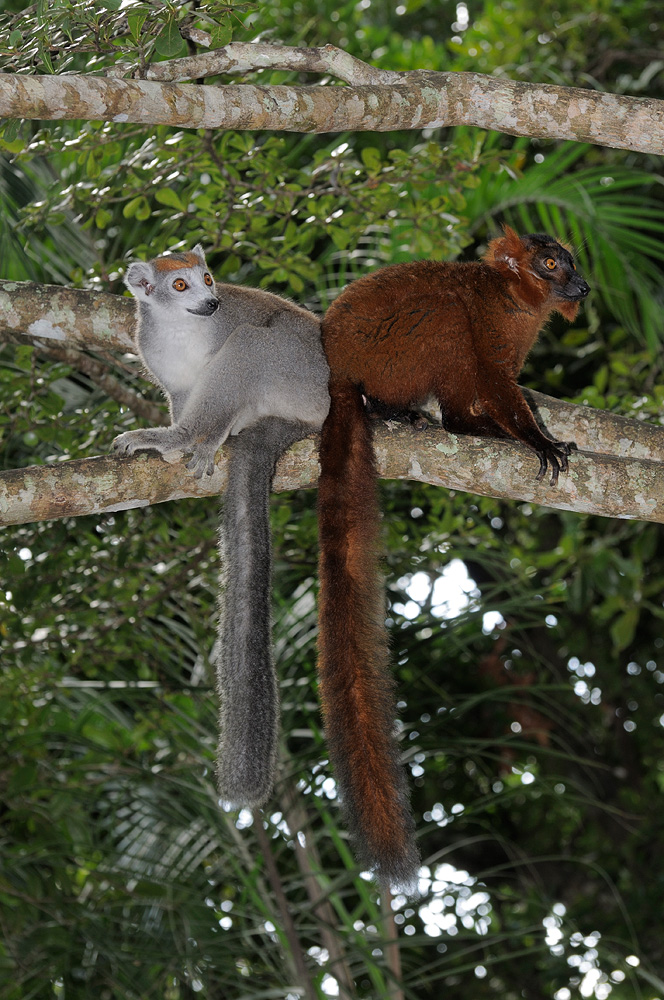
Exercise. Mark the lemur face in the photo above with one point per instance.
(179, 281)
(555, 263)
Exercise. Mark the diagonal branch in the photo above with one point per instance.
(98, 373)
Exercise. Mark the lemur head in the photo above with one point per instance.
(176, 281)
(541, 262)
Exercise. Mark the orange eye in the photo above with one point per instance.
(180, 284)
(207, 278)
(550, 263)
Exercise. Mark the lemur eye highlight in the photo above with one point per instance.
(180, 284)
(207, 278)
(550, 263)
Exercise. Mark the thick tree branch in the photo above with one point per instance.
(596, 484)
(45, 315)
(419, 100)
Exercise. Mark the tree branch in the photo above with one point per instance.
(596, 484)
(245, 57)
(98, 373)
(46, 314)
(295, 951)
(419, 100)
(311, 868)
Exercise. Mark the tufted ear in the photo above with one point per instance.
(198, 250)
(506, 250)
(138, 279)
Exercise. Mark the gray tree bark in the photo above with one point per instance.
(375, 100)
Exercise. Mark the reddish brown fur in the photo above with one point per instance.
(176, 262)
(460, 332)
(358, 704)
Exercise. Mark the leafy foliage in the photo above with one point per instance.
(531, 704)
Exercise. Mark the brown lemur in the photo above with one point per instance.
(247, 365)
(459, 332)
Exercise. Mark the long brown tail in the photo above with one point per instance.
(355, 681)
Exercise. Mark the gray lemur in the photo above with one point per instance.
(245, 363)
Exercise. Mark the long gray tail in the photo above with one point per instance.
(246, 679)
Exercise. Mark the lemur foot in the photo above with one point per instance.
(149, 439)
(555, 454)
(201, 463)
(133, 441)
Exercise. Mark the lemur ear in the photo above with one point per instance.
(138, 279)
(198, 250)
(507, 250)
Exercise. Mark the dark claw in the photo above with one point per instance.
(555, 469)
(556, 454)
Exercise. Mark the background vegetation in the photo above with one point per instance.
(528, 643)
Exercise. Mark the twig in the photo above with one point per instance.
(310, 865)
(391, 947)
(296, 952)
(244, 57)
(97, 372)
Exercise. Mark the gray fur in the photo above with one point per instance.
(248, 696)
(246, 363)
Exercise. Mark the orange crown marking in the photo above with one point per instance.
(176, 262)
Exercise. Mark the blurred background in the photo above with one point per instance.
(528, 643)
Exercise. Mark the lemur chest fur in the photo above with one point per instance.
(175, 352)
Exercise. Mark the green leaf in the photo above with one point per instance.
(371, 158)
(102, 218)
(624, 627)
(143, 210)
(170, 42)
(167, 196)
(130, 209)
(92, 165)
(45, 56)
(340, 237)
(10, 129)
(221, 33)
(295, 282)
(135, 22)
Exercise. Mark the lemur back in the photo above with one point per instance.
(248, 364)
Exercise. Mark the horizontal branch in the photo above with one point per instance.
(245, 57)
(51, 314)
(596, 484)
(420, 100)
